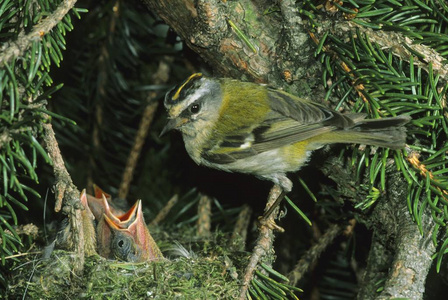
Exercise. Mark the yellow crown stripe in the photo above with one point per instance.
(176, 95)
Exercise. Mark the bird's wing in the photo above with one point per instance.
(290, 120)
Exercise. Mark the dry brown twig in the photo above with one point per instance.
(239, 233)
(161, 76)
(164, 211)
(313, 254)
(204, 222)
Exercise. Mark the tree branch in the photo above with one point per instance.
(264, 242)
(313, 254)
(412, 250)
(224, 34)
(395, 42)
(65, 189)
(396, 238)
(24, 41)
(409, 270)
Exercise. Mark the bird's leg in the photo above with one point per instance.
(266, 220)
(274, 205)
(284, 185)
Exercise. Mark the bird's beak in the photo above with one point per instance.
(173, 124)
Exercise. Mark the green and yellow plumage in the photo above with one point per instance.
(250, 128)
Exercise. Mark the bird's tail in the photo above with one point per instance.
(386, 132)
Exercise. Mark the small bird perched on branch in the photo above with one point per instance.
(250, 128)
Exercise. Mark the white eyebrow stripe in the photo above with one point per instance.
(203, 90)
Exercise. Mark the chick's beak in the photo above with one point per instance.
(173, 124)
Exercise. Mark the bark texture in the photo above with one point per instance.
(399, 250)
(400, 257)
(245, 40)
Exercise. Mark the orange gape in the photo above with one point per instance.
(120, 235)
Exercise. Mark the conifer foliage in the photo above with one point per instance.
(378, 57)
(32, 43)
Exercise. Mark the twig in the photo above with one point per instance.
(140, 137)
(414, 159)
(204, 216)
(239, 233)
(65, 189)
(159, 77)
(165, 211)
(7, 134)
(395, 42)
(24, 41)
(22, 254)
(311, 256)
(264, 242)
(63, 180)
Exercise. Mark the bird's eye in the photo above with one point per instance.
(195, 108)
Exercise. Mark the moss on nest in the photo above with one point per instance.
(208, 275)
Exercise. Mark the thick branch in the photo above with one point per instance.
(399, 237)
(239, 40)
(378, 263)
(205, 29)
(294, 27)
(396, 238)
(410, 268)
(412, 260)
